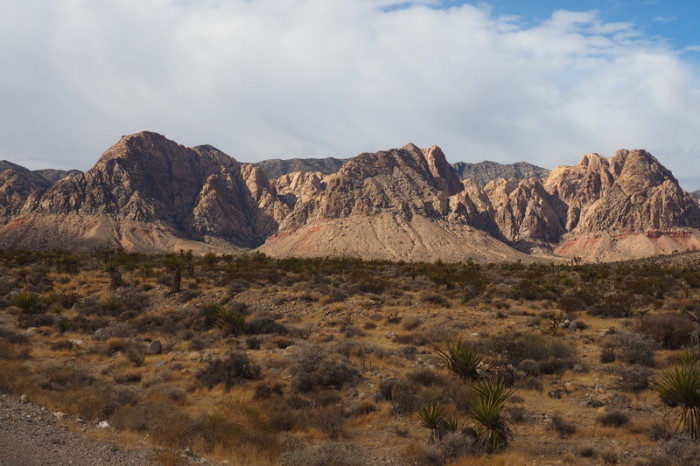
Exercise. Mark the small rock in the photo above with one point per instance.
(154, 347)
(390, 334)
(100, 334)
(23, 398)
(31, 331)
(103, 425)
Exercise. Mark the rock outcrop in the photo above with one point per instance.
(483, 172)
(274, 168)
(148, 193)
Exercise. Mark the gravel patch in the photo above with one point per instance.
(33, 435)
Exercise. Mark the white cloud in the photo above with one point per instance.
(263, 78)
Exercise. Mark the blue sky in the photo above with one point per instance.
(675, 21)
(540, 81)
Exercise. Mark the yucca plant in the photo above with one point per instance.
(210, 313)
(453, 424)
(27, 302)
(431, 418)
(230, 322)
(492, 428)
(461, 358)
(680, 386)
(688, 356)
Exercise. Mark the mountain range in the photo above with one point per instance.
(147, 193)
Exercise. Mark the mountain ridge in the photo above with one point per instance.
(151, 194)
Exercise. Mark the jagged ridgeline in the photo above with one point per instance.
(150, 194)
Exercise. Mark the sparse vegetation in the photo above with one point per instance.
(340, 361)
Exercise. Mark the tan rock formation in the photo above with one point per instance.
(151, 194)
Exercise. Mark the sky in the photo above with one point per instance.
(505, 80)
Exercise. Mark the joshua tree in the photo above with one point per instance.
(177, 265)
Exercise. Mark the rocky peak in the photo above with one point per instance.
(444, 173)
(631, 191)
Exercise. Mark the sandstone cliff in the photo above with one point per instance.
(148, 193)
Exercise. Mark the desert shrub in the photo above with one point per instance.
(609, 456)
(548, 354)
(133, 299)
(633, 379)
(39, 320)
(12, 376)
(571, 303)
(331, 421)
(167, 392)
(634, 348)
(114, 345)
(613, 419)
(253, 342)
(89, 324)
(435, 299)
(561, 426)
(230, 371)
(411, 323)
(199, 343)
(286, 414)
(607, 355)
(677, 452)
(517, 414)
(136, 353)
(402, 395)
(424, 376)
(13, 337)
(95, 402)
(615, 305)
(111, 306)
(266, 390)
(324, 453)
(668, 330)
(350, 331)
(587, 451)
(659, 431)
(127, 377)
(265, 325)
(157, 418)
(423, 454)
(63, 376)
(315, 369)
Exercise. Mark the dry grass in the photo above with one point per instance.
(349, 359)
